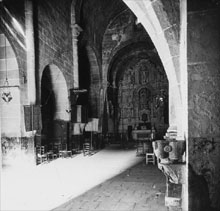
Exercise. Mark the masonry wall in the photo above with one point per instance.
(120, 32)
(95, 16)
(204, 108)
(53, 45)
(53, 38)
(95, 83)
(16, 146)
(53, 49)
(16, 39)
(16, 10)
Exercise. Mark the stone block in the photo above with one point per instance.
(203, 37)
(168, 13)
(203, 99)
(204, 156)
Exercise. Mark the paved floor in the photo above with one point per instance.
(139, 188)
(112, 179)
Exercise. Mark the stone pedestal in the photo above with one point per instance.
(176, 195)
(171, 162)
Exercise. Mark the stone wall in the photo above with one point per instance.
(204, 94)
(16, 10)
(95, 16)
(121, 32)
(53, 45)
(94, 19)
(10, 112)
(12, 121)
(121, 35)
(95, 83)
(53, 38)
(168, 13)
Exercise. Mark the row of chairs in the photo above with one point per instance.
(58, 150)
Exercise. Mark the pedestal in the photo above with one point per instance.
(176, 195)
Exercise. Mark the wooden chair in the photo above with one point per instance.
(55, 149)
(41, 154)
(64, 152)
(86, 149)
(150, 158)
(52, 153)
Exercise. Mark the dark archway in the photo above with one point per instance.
(54, 106)
(47, 102)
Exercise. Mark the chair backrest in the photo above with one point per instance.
(86, 146)
(57, 148)
(40, 150)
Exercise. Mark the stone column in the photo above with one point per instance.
(31, 83)
(76, 29)
(176, 111)
(31, 77)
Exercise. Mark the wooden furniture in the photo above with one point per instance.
(51, 155)
(41, 155)
(143, 140)
(143, 135)
(86, 149)
(150, 158)
(64, 152)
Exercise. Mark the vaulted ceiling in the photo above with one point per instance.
(95, 16)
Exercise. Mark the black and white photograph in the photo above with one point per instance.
(110, 105)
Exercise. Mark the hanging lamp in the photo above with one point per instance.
(6, 94)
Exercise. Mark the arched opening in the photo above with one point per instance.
(162, 21)
(10, 112)
(138, 91)
(54, 106)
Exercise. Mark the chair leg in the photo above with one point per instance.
(146, 158)
(154, 160)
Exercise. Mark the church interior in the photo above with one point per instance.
(80, 76)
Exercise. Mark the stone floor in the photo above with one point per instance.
(111, 179)
(139, 188)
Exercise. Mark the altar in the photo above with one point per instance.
(143, 140)
(143, 135)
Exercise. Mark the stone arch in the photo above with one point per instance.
(162, 20)
(125, 79)
(54, 91)
(10, 111)
(73, 12)
(156, 21)
(76, 6)
(134, 51)
(95, 82)
(19, 49)
(117, 35)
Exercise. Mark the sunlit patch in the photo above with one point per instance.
(54, 183)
